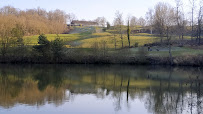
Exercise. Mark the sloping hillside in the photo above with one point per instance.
(82, 30)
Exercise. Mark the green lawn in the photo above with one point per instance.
(87, 39)
(50, 37)
(164, 52)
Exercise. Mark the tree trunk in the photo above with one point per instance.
(200, 36)
(182, 39)
(161, 38)
(169, 47)
(128, 33)
(151, 31)
(170, 55)
(192, 20)
(129, 40)
(199, 31)
(115, 41)
(121, 35)
(122, 39)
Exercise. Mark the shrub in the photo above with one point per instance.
(104, 29)
(142, 51)
(95, 48)
(57, 48)
(104, 47)
(142, 55)
(136, 44)
(42, 39)
(44, 48)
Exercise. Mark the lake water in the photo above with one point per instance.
(96, 89)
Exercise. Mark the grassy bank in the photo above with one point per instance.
(100, 56)
(90, 47)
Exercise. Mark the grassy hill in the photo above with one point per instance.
(87, 37)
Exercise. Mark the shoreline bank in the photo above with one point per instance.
(188, 60)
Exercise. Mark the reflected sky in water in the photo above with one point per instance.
(83, 104)
(81, 89)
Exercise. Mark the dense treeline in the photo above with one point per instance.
(31, 21)
(15, 23)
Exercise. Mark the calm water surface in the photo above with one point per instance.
(82, 89)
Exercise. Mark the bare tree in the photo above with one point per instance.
(101, 21)
(114, 36)
(180, 21)
(192, 20)
(33, 21)
(200, 22)
(71, 17)
(149, 19)
(160, 18)
(164, 20)
(178, 17)
(9, 10)
(41, 12)
(118, 22)
(133, 23)
(141, 22)
(170, 21)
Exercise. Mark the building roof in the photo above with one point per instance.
(84, 22)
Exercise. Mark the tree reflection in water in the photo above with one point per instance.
(162, 89)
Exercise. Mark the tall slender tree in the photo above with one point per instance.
(192, 20)
(118, 22)
(133, 24)
(149, 18)
(200, 22)
(128, 32)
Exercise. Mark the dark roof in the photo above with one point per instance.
(84, 22)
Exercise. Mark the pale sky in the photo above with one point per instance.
(91, 9)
